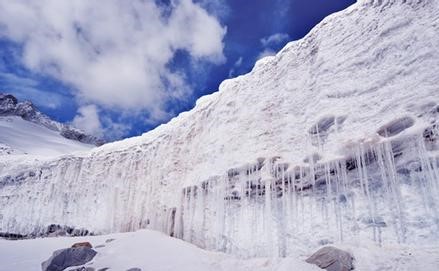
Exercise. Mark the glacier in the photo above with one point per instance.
(335, 139)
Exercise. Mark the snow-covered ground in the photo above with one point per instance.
(18, 136)
(154, 251)
(143, 249)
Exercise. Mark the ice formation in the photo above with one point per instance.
(335, 138)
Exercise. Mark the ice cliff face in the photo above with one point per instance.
(333, 139)
(9, 106)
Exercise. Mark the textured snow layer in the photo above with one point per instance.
(333, 139)
(18, 136)
(154, 251)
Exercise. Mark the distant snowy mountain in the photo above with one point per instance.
(333, 140)
(9, 106)
(19, 136)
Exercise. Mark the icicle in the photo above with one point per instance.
(390, 188)
(364, 180)
(283, 216)
(430, 177)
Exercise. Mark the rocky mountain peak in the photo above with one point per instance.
(9, 106)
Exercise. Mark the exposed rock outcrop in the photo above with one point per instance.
(332, 259)
(64, 258)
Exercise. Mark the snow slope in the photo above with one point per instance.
(155, 251)
(334, 139)
(23, 137)
(9, 107)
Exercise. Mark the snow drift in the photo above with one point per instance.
(334, 139)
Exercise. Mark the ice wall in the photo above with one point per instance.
(344, 122)
(384, 192)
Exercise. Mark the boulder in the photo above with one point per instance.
(63, 258)
(332, 259)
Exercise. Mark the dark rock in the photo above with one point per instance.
(369, 158)
(430, 134)
(7, 103)
(431, 137)
(12, 236)
(63, 258)
(54, 230)
(233, 172)
(75, 134)
(134, 269)
(109, 240)
(332, 259)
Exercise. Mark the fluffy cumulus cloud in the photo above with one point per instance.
(88, 120)
(113, 53)
(219, 8)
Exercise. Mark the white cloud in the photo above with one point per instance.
(114, 53)
(237, 64)
(25, 88)
(219, 8)
(113, 129)
(274, 39)
(88, 120)
(11, 79)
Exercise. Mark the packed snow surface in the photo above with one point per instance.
(149, 250)
(333, 140)
(144, 249)
(18, 136)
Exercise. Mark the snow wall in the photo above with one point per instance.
(334, 139)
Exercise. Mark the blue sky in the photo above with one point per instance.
(119, 68)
